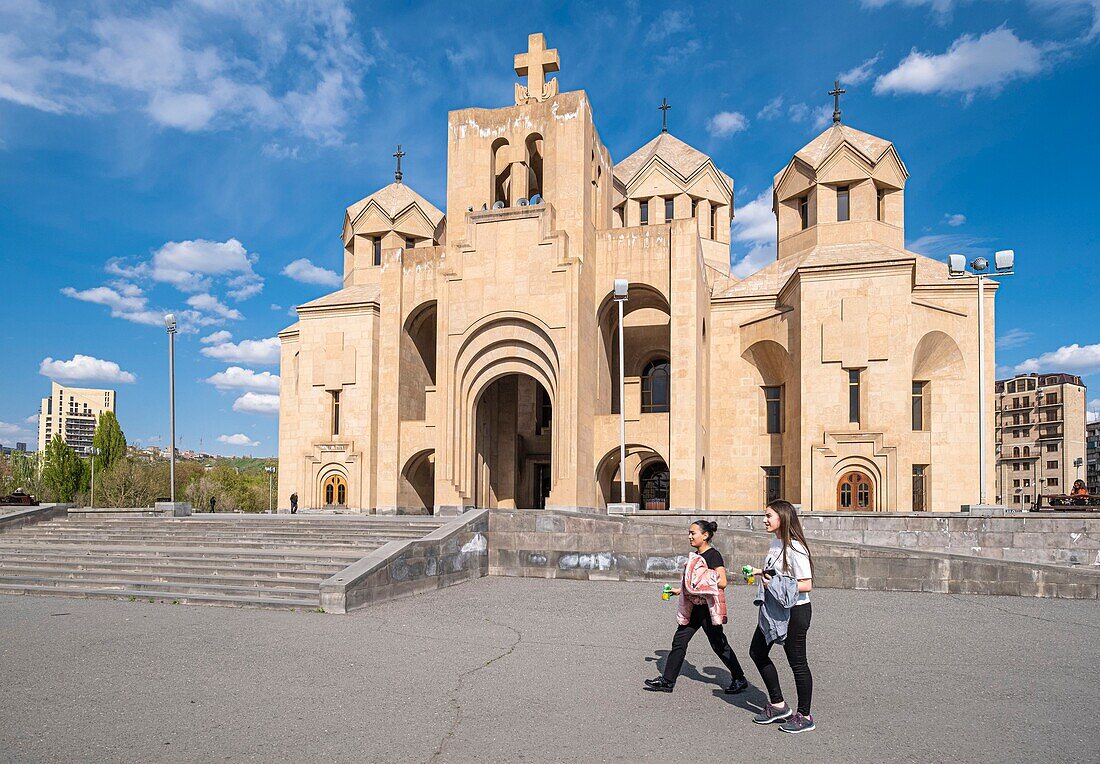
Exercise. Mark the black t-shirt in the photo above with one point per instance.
(713, 559)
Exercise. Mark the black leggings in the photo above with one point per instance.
(795, 648)
(700, 616)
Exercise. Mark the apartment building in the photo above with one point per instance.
(1039, 436)
(1092, 457)
(72, 412)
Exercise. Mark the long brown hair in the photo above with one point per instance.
(790, 527)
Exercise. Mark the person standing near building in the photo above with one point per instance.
(293, 503)
(702, 604)
(213, 501)
(786, 581)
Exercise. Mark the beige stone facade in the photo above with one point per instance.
(1040, 436)
(471, 358)
(72, 413)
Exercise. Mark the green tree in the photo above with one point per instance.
(110, 441)
(63, 473)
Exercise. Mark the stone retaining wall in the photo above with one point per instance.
(551, 544)
(1064, 538)
(451, 554)
(12, 517)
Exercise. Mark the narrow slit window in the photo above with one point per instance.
(919, 402)
(713, 222)
(669, 212)
(842, 204)
(773, 401)
(643, 212)
(335, 412)
(804, 211)
(377, 250)
(853, 395)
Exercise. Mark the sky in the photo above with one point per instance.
(197, 157)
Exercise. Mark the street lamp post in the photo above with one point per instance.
(956, 268)
(270, 475)
(170, 325)
(622, 290)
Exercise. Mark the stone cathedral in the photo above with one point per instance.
(471, 357)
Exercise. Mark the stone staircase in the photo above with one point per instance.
(273, 561)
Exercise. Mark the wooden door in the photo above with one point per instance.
(335, 491)
(855, 492)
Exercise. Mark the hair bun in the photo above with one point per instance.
(709, 526)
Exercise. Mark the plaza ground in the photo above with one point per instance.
(526, 670)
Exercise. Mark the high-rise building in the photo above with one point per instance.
(1092, 457)
(1040, 437)
(72, 412)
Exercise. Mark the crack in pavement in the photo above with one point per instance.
(462, 678)
(1023, 615)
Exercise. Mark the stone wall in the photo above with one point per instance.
(451, 554)
(15, 517)
(1064, 538)
(551, 544)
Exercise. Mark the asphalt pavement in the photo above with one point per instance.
(531, 670)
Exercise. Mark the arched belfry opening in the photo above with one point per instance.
(513, 431)
(502, 171)
(535, 147)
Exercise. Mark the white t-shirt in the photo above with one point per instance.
(798, 564)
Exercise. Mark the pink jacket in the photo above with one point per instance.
(699, 586)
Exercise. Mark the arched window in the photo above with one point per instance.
(534, 146)
(502, 171)
(654, 486)
(1027, 450)
(335, 490)
(1016, 451)
(656, 387)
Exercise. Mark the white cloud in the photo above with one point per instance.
(726, 123)
(969, 66)
(11, 433)
(941, 245)
(771, 109)
(245, 286)
(238, 378)
(84, 368)
(822, 116)
(240, 439)
(188, 264)
(126, 301)
(32, 419)
(1071, 11)
(1013, 338)
(857, 75)
(1092, 414)
(264, 351)
(278, 151)
(818, 117)
(306, 272)
(670, 22)
(756, 258)
(941, 9)
(954, 220)
(798, 112)
(1068, 359)
(202, 65)
(216, 337)
(211, 304)
(755, 221)
(257, 403)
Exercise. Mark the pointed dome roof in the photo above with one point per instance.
(393, 200)
(685, 160)
(820, 148)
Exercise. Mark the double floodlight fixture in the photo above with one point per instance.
(170, 322)
(1002, 265)
(622, 288)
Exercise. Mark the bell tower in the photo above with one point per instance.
(844, 186)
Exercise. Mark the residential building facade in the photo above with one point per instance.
(72, 413)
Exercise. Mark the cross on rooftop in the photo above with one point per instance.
(836, 93)
(664, 107)
(535, 64)
(397, 173)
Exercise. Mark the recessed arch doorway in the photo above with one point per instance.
(513, 439)
(334, 491)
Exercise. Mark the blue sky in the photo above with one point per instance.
(198, 156)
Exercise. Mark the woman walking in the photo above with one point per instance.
(784, 599)
(702, 603)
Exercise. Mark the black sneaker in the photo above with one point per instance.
(660, 684)
(771, 714)
(737, 686)
(799, 723)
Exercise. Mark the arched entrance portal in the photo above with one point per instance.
(855, 492)
(654, 486)
(513, 438)
(334, 491)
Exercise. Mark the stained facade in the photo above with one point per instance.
(471, 357)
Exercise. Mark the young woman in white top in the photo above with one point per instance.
(789, 556)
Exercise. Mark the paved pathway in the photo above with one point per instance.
(511, 670)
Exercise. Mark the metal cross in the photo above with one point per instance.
(664, 107)
(836, 92)
(399, 153)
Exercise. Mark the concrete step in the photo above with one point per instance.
(184, 557)
(177, 588)
(197, 564)
(164, 597)
(316, 538)
(261, 521)
(225, 552)
(362, 548)
(260, 576)
(106, 577)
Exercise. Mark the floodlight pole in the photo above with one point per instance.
(92, 453)
(620, 298)
(170, 324)
(981, 388)
(270, 476)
